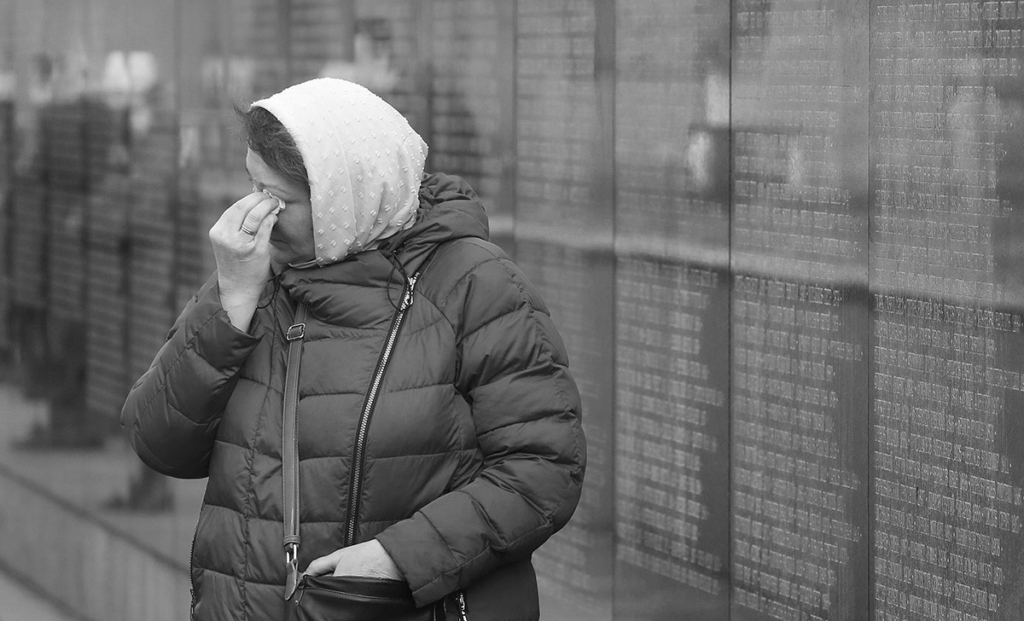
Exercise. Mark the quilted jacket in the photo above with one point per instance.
(474, 455)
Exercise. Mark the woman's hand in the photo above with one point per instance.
(241, 247)
(367, 559)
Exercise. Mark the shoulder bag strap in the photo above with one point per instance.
(289, 450)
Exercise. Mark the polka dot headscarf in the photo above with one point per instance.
(363, 160)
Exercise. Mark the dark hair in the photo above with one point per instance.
(266, 136)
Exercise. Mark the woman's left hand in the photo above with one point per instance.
(367, 559)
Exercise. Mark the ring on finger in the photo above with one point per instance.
(246, 230)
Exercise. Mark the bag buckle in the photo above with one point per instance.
(295, 332)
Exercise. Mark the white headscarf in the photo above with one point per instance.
(363, 160)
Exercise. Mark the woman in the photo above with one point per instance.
(474, 454)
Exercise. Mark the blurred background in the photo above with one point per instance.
(779, 238)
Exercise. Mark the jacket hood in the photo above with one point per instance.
(448, 209)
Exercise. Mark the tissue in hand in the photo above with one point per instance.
(280, 203)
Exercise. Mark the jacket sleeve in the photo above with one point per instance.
(526, 409)
(172, 413)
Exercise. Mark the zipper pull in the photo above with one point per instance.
(463, 615)
(408, 297)
(291, 559)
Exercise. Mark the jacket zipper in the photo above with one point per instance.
(191, 570)
(369, 403)
(463, 615)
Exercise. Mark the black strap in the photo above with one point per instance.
(290, 449)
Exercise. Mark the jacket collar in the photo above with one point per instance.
(449, 209)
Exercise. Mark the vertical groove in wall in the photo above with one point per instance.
(508, 9)
(610, 71)
(870, 391)
(728, 330)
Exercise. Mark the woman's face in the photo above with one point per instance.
(291, 241)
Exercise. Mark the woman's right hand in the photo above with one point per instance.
(241, 248)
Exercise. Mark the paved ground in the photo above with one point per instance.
(88, 480)
(20, 604)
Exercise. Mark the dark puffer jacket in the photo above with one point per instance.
(475, 454)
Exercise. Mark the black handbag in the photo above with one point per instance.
(328, 598)
(352, 598)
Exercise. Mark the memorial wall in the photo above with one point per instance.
(945, 310)
(782, 240)
(799, 257)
